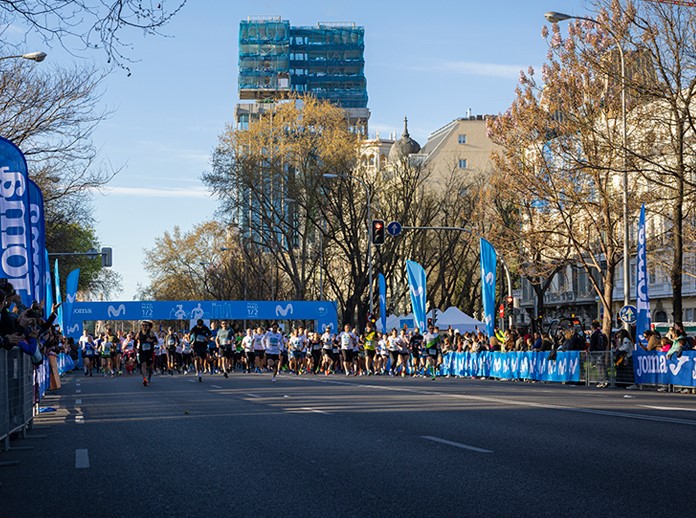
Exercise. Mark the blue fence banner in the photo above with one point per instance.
(642, 297)
(70, 293)
(417, 287)
(488, 273)
(654, 368)
(382, 301)
(514, 365)
(65, 363)
(38, 242)
(15, 263)
(323, 312)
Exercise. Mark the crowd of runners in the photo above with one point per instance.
(218, 349)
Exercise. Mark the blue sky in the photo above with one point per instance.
(428, 61)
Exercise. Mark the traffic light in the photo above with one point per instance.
(510, 303)
(378, 232)
(107, 257)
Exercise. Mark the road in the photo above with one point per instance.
(352, 446)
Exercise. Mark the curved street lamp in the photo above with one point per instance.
(555, 17)
(31, 56)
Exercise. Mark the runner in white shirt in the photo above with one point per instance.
(273, 344)
(296, 350)
(347, 340)
(248, 346)
(259, 351)
(186, 353)
(327, 341)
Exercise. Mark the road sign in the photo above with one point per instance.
(394, 228)
(628, 314)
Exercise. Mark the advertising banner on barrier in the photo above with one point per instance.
(514, 365)
(642, 297)
(654, 368)
(15, 263)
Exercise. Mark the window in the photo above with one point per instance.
(462, 138)
(462, 163)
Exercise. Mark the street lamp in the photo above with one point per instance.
(554, 17)
(31, 56)
(369, 229)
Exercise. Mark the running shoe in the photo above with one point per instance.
(273, 379)
(145, 382)
(226, 376)
(200, 379)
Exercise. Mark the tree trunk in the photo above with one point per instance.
(678, 260)
(608, 289)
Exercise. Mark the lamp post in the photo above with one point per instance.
(31, 56)
(369, 227)
(554, 17)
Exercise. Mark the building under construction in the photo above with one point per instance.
(277, 60)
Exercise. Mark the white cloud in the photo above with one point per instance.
(159, 192)
(476, 69)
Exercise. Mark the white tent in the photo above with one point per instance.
(392, 322)
(456, 319)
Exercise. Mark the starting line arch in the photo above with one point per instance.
(324, 312)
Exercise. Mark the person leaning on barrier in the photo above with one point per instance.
(653, 339)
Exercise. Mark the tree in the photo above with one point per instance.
(561, 155)
(91, 24)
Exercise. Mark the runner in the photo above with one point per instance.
(172, 343)
(89, 351)
(259, 351)
(415, 342)
(369, 346)
(145, 341)
(432, 342)
(327, 341)
(200, 335)
(248, 346)
(224, 341)
(129, 353)
(186, 350)
(295, 350)
(105, 353)
(347, 340)
(213, 351)
(314, 358)
(273, 343)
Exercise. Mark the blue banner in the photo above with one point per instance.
(15, 263)
(323, 312)
(70, 293)
(642, 298)
(49, 285)
(417, 287)
(382, 301)
(514, 365)
(59, 313)
(488, 273)
(38, 242)
(654, 368)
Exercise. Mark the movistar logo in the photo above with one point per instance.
(116, 312)
(280, 311)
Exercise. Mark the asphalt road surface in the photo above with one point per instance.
(352, 446)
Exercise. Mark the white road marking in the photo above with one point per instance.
(315, 410)
(252, 395)
(78, 391)
(81, 459)
(455, 444)
(80, 419)
(681, 409)
(78, 401)
(192, 381)
(514, 402)
(216, 386)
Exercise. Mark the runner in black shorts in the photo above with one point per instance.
(200, 334)
(145, 341)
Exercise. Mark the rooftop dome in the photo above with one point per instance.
(403, 147)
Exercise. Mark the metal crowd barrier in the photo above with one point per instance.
(16, 393)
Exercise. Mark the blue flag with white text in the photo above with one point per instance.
(38, 241)
(16, 265)
(488, 273)
(382, 301)
(59, 300)
(643, 320)
(416, 284)
(70, 293)
(48, 283)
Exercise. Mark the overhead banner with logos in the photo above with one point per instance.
(324, 313)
